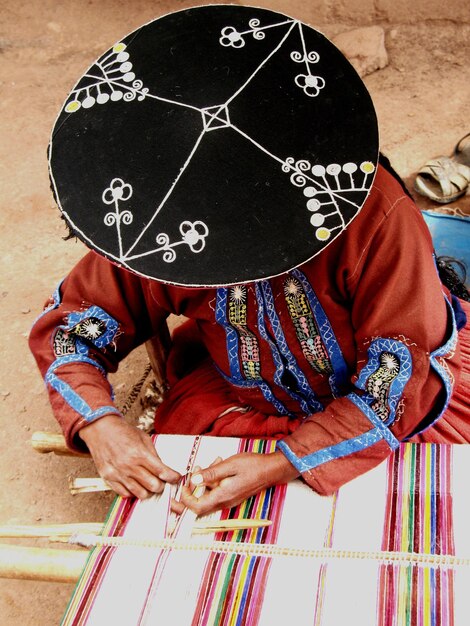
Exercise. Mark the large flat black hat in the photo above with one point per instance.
(216, 145)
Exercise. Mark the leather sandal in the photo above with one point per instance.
(444, 179)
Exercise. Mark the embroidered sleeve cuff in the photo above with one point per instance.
(73, 441)
(332, 448)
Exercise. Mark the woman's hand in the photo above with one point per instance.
(229, 482)
(125, 458)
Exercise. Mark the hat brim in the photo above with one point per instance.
(215, 146)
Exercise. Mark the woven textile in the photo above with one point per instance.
(390, 548)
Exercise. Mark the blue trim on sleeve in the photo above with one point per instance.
(446, 350)
(337, 451)
(74, 358)
(346, 447)
(375, 420)
(71, 397)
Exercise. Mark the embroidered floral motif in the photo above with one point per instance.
(90, 328)
(193, 234)
(249, 349)
(110, 79)
(231, 37)
(306, 327)
(93, 325)
(310, 84)
(384, 377)
(232, 331)
(380, 381)
(324, 187)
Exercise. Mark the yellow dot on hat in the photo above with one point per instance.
(72, 106)
(119, 47)
(323, 234)
(367, 167)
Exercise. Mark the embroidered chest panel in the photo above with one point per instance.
(306, 327)
(313, 338)
(249, 348)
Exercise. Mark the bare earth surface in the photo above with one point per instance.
(423, 103)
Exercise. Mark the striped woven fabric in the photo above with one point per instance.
(389, 549)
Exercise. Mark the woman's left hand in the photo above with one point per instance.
(233, 480)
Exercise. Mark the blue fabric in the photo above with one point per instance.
(111, 325)
(56, 300)
(306, 397)
(459, 313)
(70, 396)
(77, 403)
(450, 235)
(337, 451)
(398, 349)
(439, 367)
(232, 341)
(375, 420)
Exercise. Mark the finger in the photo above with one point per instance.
(212, 475)
(216, 460)
(206, 503)
(136, 489)
(119, 489)
(176, 506)
(147, 480)
(188, 499)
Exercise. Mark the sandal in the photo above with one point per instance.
(445, 179)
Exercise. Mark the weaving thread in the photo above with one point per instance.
(392, 531)
(275, 550)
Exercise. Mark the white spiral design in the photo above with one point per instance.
(162, 239)
(126, 217)
(169, 255)
(110, 219)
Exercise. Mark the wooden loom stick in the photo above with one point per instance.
(87, 485)
(61, 532)
(42, 564)
(230, 524)
(45, 442)
(24, 531)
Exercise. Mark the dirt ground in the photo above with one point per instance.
(423, 104)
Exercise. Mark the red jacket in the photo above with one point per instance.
(341, 359)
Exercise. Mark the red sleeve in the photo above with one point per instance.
(97, 315)
(405, 339)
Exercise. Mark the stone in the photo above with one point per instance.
(364, 48)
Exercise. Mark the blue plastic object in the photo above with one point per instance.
(451, 236)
